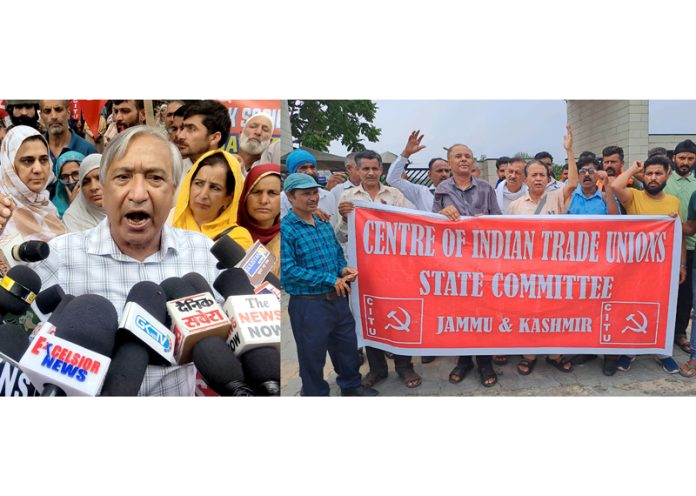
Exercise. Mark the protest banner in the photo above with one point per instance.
(495, 285)
(241, 111)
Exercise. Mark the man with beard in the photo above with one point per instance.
(513, 187)
(128, 113)
(205, 127)
(463, 194)
(24, 113)
(54, 116)
(682, 184)
(255, 138)
(652, 200)
(172, 107)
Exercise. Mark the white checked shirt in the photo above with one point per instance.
(91, 262)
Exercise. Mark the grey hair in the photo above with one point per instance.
(117, 148)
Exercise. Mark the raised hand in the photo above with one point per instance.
(413, 145)
(568, 138)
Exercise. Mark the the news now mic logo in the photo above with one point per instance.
(161, 338)
(64, 361)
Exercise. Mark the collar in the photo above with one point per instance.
(578, 192)
(360, 188)
(100, 242)
(689, 177)
(292, 218)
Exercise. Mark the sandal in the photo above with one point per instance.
(372, 378)
(459, 372)
(688, 369)
(488, 376)
(528, 366)
(410, 378)
(561, 364)
(500, 359)
(684, 344)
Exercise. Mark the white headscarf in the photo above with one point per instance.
(34, 216)
(81, 214)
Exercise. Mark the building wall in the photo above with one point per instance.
(668, 141)
(600, 123)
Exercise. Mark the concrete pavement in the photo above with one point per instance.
(645, 378)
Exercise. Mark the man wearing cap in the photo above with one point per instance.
(303, 162)
(24, 113)
(316, 277)
(255, 138)
(61, 139)
(681, 183)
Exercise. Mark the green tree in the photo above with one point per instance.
(316, 123)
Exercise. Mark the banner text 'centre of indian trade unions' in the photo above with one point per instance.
(514, 284)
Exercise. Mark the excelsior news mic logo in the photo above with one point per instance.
(65, 361)
(161, 338)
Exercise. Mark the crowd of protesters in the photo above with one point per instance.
(314, 234)
(52, 180)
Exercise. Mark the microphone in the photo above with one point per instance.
(194, 315)
(262, 370)
(227, 251)
(75, 359)
(30, 251)
(19, 288)
(220, 367)
(48, 299)
(14, 342)
(14, 251)
(255, 317)
(142, 339)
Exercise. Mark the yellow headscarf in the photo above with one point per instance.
(183, 217)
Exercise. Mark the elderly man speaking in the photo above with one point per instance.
(138, 173)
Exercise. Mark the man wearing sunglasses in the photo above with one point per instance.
(589, 199)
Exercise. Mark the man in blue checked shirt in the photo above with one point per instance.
(315, 275)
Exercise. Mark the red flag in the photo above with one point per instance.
(90, 111)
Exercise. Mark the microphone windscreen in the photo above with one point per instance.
(198, 282)
(227, 251)
(48, 299)
(151, 297)
(127, 370)
(261, 365)
(55, 316)
(90, 321)
(14, 341)
(18, 282)
(176, 287)
(271, 277)
(217, 364)
(33, 251)
(233, 282)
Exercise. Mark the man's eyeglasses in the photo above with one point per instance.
(587, 170)
(69, 178)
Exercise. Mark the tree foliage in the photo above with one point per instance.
(316, 123)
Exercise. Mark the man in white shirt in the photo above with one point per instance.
(513, 187)
(438, 170)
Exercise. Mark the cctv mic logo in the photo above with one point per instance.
(64, 361)
(161, 338)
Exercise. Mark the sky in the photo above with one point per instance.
(498, 127)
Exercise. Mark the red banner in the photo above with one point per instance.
(242, 110)
(513, 284)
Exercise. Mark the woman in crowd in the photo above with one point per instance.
(260, 208)
(67, 170)
(86, 211)
(25, 172)
(209, 198)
